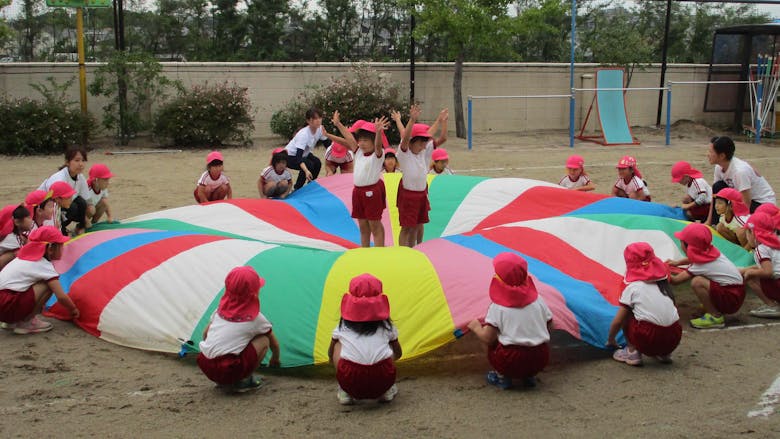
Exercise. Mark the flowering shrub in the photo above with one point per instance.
(41, 127)
(207, 115)
(363, 93)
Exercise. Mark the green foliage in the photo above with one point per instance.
(207, 115)
(43, 126)
(363, 93)
(133, 82)
(5, 30)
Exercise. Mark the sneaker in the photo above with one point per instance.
(344, 398)
(632, 358)
(389, 395)
(766, 311)
(250, 383)
(708, 321)
(32, 326)
(664, 359)
(529, 382)
(7, 326)
(498, 380)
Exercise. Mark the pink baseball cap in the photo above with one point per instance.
(575, 162)
(214, 155)
(681, 169)
(35, 198)
(763, 228)
(60, 189)
(698, 240)
(642, 263)
(626, 162)
(389, 151)
(338, 150)
(37, 241)
(735, 198)
(98, 170)
(439, 154)
(420, 130)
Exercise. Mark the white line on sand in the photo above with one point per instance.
(770, 398)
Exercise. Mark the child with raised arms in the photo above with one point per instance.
(647, 314)
(715, 280)
(368, 196)
(213, 184)
(733, 214)
(71, 173)
(764, 277)
(630, 183)
(698, 197)
(440, 162)
(239, 335)
(414, 155)
(364, 345)
(15, 224)
(576, 178)
(517, 325)
(276, 180)
(28, 281)
(97, 203)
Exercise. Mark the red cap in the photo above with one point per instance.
(681, 169)
(626, 162)
(575, 162)
(35, 198)
(338, 150)
(214, 155)
(365, 301)
(771, 210)
(98, 170)
(389, 151)
(241, 300)
(511, 286)
(763, 227)
(7, 219)
(37, 241)
(439, 154)
(60, 189)
(642, 263)
(735, 198)
(420, 130)
(698, 240)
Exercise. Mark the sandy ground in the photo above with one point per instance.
(68, 383)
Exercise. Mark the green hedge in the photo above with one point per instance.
(41, 127)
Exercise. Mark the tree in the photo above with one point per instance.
(542, 31)
(5, 31)
(469, 28)
(28, 28)
(265, 22)
(339, 29)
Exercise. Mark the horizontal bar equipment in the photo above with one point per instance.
(518, 97)
(620, 89)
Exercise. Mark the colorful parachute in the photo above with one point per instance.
(154, 281)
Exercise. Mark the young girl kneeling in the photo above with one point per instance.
(365, 344)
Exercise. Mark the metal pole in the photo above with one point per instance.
(572, 101)
(663, 61)
(469, 123)
(411, 61)
(82, 65)
(669, 115)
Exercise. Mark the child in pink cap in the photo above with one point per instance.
(764, 277)
(15, 224)
(365, 346)
(97, 203)
(576, 178)
(733, 215)
(28, 281)
(715, 280)
(698, 197)
(213, 184)
(630, 183)
(62, 194)
(647, 315)
(369, 199)
(391, 162)
(41, 207)
(239, 335)
(773, 212)
(517, 325)
(71, 174)
(340, 156)
(414, 155)
(440, 162)
(276, 180)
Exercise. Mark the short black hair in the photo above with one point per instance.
(280, 156)
(364, 134)
(313, 112)
(20, 212)
(723, 145)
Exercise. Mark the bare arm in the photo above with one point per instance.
(588, 187)
(442, 119)
(348, 139)
(763, 271)
(414, 113)
(62, 298)
(380, 125)
(620, 319)
(396, 116)
(273, 344)
(485, 333)
(747, 197)
(202, 194)
(397, 351)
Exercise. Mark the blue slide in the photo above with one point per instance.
(612, 107)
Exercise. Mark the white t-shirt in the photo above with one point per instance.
(721, 271)
(94, 198)
(10, 243)
(211, 184)
(79, 185)
(740, 176)
(20, 274)
(365, 349)
(269, 174)
(700, 191)
(567, 182)
(526, 326)
(226, 337)
(367, 168)
(763, 253)
(735, 224)
(445, 171)
(636, 184)
(306, 140)
(415, 167)
(649, 304)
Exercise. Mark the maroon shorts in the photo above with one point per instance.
(519, 361)
(344, 167)
(771, 288)
(413, 206)
(16, 306)
(230, 368)
(727, 299)
(363, 381)
(699, 212)
(368, 202)
(651, 339)
(217, 194)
